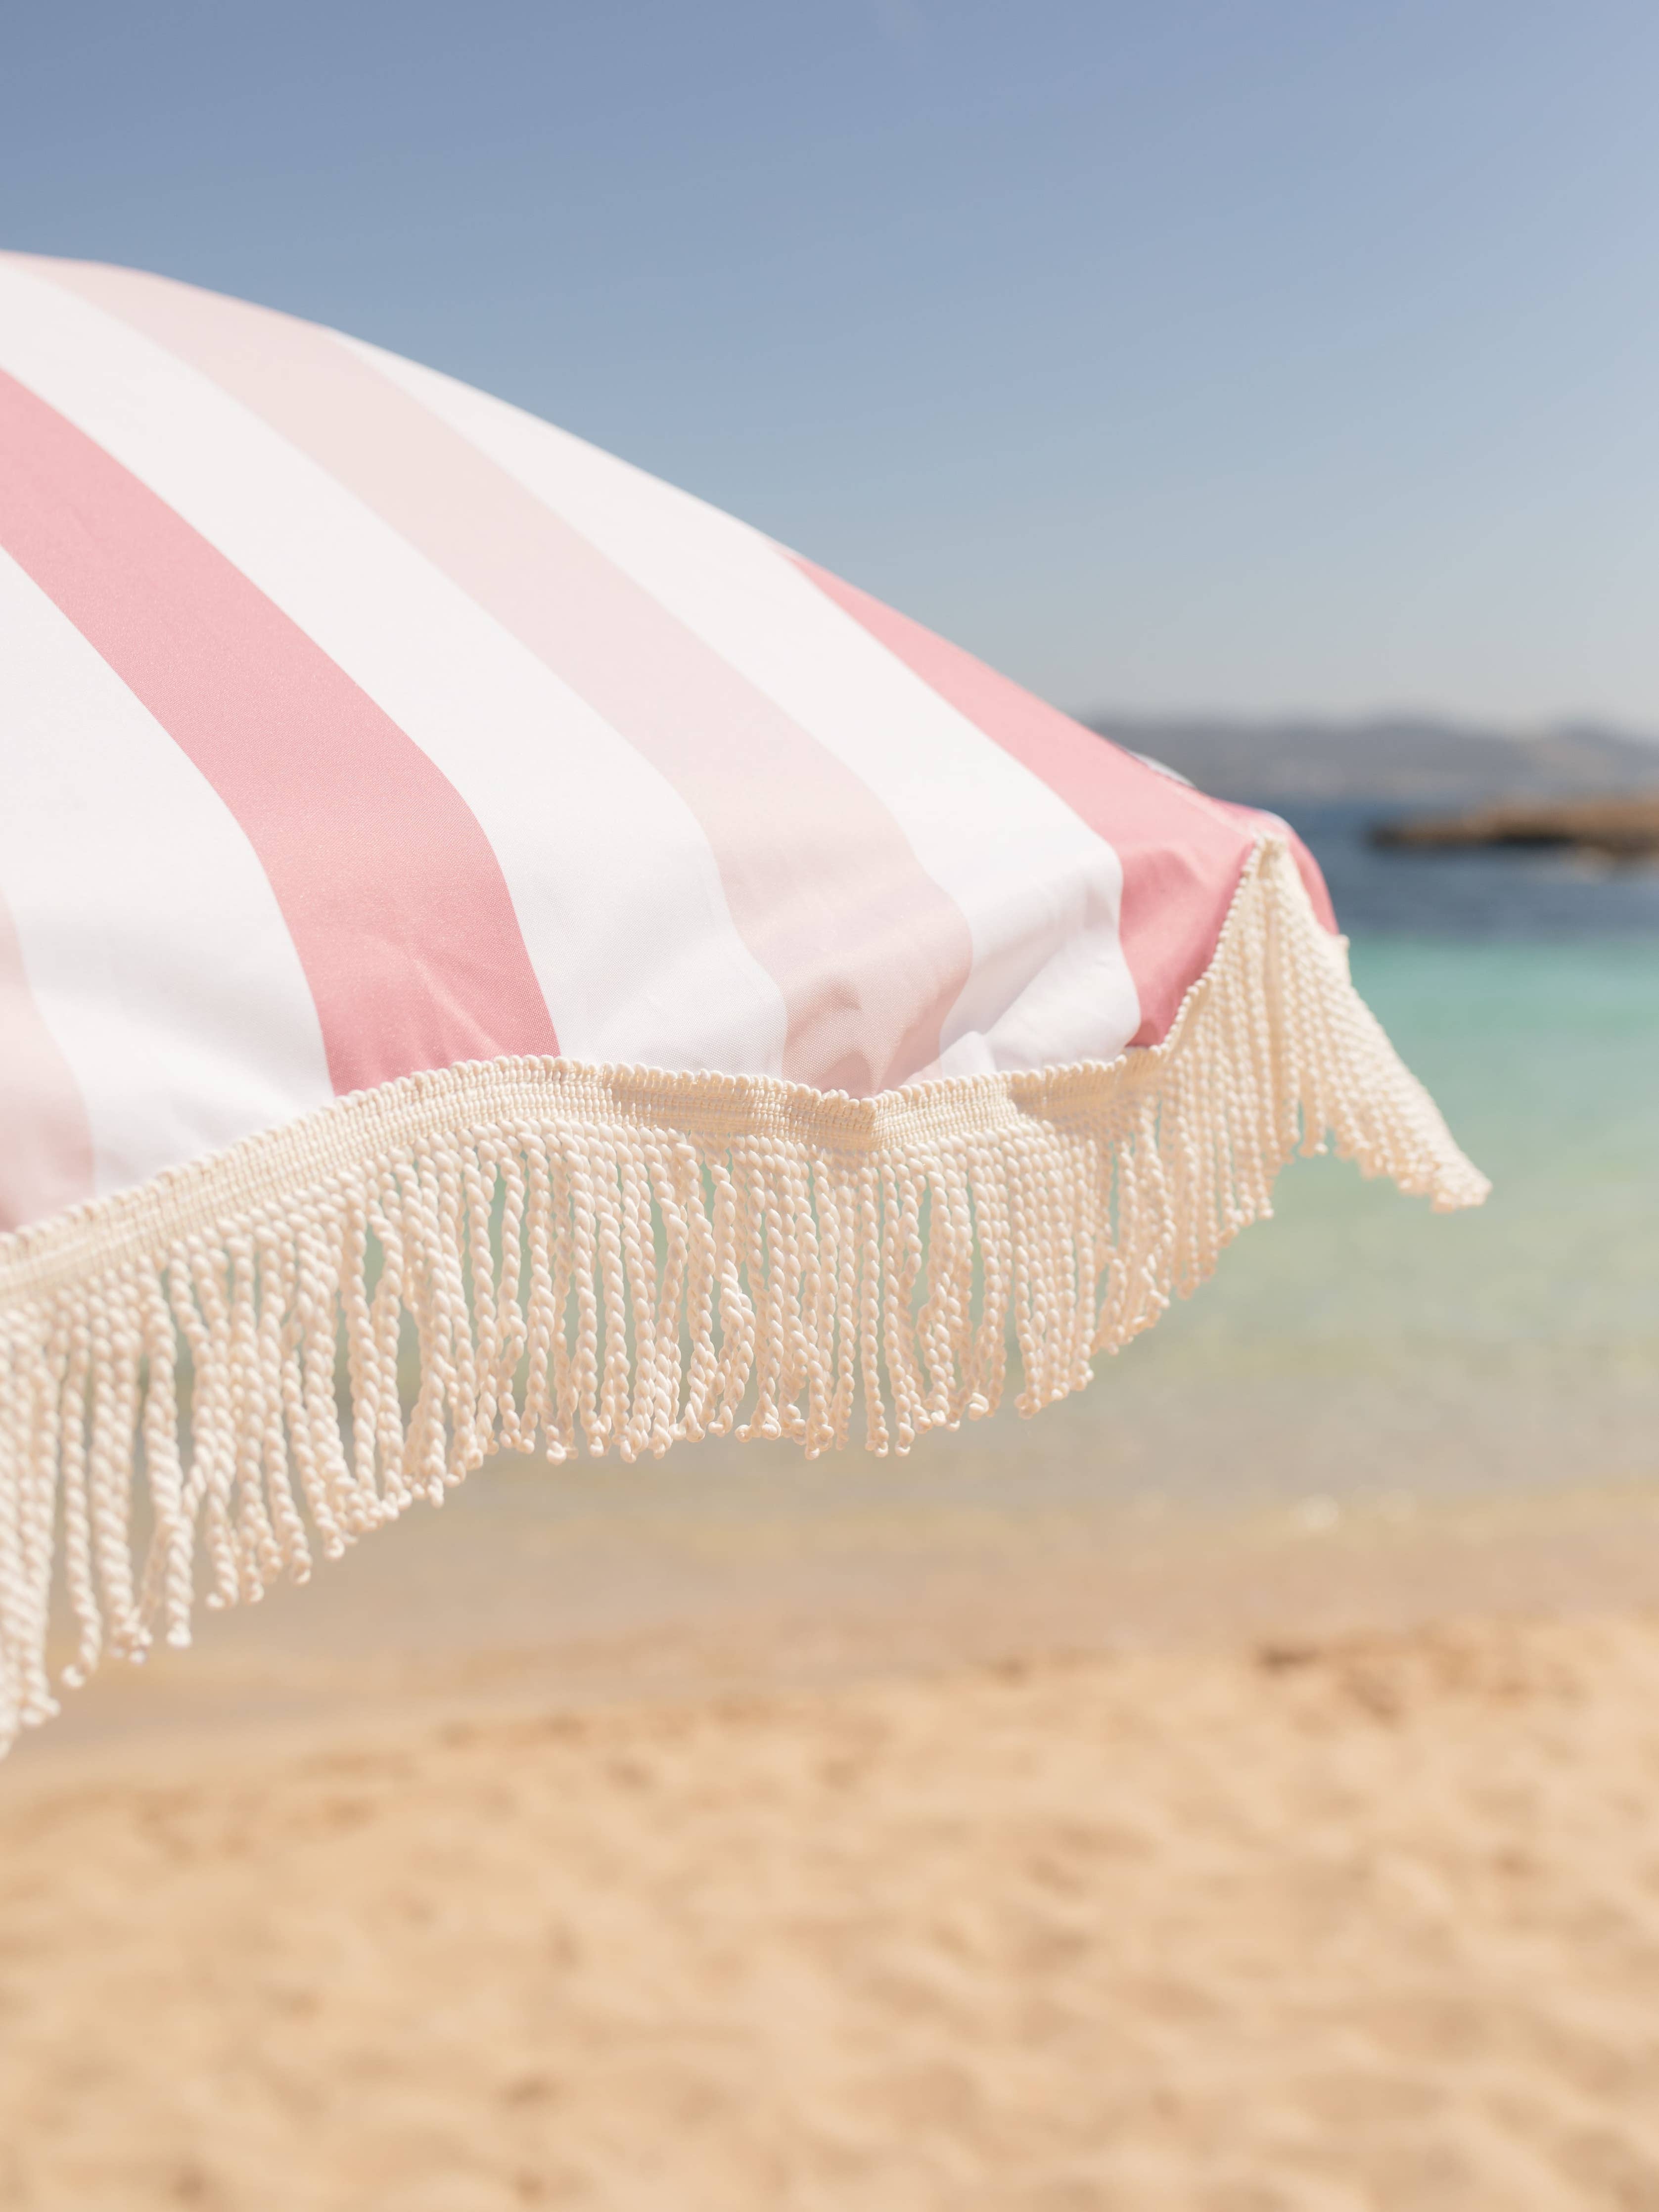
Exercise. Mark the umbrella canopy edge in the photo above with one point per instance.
(592, 1259)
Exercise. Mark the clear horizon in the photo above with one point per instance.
(1289, 360)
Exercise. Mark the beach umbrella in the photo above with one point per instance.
(495, 953)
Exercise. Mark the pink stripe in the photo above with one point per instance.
(1182, 854)
(46, 1138)
(393, 895)
(868, 952)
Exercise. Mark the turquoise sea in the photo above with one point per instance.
(1357, 1341)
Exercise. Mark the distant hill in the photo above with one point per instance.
(1394, 760)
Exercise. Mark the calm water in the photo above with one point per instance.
(1524, 896)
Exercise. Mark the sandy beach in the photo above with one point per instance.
(1342, 1916)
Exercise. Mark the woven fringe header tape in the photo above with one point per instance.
(599, 1257)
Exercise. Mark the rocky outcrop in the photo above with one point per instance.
(1619, 828)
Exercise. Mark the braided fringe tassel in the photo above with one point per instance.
(592, 1259)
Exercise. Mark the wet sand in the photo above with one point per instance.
(1294, 1861)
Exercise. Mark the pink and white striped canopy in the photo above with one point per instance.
(355, 723)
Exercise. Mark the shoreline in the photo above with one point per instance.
(495, 1603)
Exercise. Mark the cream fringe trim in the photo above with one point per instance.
(592, 1257)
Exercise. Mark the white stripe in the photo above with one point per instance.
(1041, 890)
(615, 888)
(153, 942)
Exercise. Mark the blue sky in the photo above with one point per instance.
(1281, 354)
